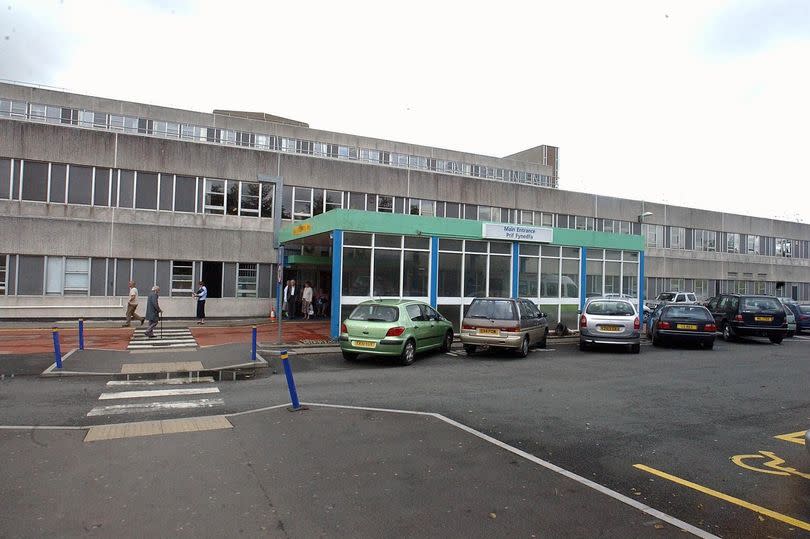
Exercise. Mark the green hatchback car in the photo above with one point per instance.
(394, 327)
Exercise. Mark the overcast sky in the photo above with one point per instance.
(699, 103)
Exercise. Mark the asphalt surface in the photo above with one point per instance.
(683, 412)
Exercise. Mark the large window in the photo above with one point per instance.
(450, 267)
(677, 237)
(732, 242)
(3, 273)
(249, 196)
(214, 196)
(357, 265)
(302, 203)
(182, 278)
(784, 247)
(77, 276)
(80, 186)
(705, 240)
(654, 235)
(35, 181)
(753, 244)
(185, 193)
(146, 190)
(612, 272)
(246, 281)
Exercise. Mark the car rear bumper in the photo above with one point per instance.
(686, 335)
(602, 339)
(759, 331)
(384, 347)
(504, 341)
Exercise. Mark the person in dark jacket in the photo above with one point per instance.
(153, 311)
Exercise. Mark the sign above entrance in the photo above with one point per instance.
(537, 234)
(301, 229)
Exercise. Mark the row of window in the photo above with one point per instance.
(128, 124)
(675, 237)
(84, 276)
(746, 283)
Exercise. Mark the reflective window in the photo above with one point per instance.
(214, 196)
(246, 281)
(101, 191)
(415, 272)
(356, 271)
(146, 184)
(449, 274)
(80, 185)
(35, 181)
(185, 193)
(182, 278)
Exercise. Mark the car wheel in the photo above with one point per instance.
(776, 340)
(583, 345)
(635, 348)
(447, 342)
(470, 349)
(523, 351)
(408, 353)
(656, 341)
(349, 356)
(728, 335)
(544, 342)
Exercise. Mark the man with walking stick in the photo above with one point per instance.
(153, 312)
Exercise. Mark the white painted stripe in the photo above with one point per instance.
(165, 345)
(162, 382)
(142, 407)
(158, 339)
(545, 464)
(146, 393)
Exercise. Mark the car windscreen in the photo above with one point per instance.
(496, 309)
(375, 313)
(687, 312)
(666, 297)
(760, 304)
(610, 308)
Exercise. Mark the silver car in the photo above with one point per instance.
(610, 321)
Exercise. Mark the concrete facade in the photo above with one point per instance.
(110, 233)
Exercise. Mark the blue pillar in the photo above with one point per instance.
(434, 271)
(641, 284)
(515, 268)
(583, 266)
(337, 268)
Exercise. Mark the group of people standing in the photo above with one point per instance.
(153, 310)
(304, 302)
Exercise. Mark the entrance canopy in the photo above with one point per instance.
(447, 262)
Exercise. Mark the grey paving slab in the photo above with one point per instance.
(112, 362)
(323, 472)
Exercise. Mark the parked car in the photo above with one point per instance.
(652, 317)
(802, 313)
(611, 322)
(791, 320)
(692, 324)
(399, 328)
(504, 323)
(672, 297)
(737, 315)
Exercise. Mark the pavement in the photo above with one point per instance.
(381, 474)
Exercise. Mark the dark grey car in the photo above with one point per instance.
(504, 323)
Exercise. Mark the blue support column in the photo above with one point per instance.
(434, 271)
(337, 268)
(583, 266)
(641, 284)
(515, 268)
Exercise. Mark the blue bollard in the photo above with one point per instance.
(81, 334)
(57, 350)
(291, 383)
(253, 346)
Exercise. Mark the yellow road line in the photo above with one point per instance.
(731, 499)
(795, 437)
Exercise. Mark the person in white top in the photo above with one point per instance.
(307, 300)
(132, 304)
(201, 295)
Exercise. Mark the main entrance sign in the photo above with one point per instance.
(537, 234)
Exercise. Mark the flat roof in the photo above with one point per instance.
(418, 225)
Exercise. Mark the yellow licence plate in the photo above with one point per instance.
(364, 344)
(686, 326)
(608, 327)
(488, 331)
(763, 318)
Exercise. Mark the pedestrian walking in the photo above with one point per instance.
(201, 295)
(132, 304)
(285, 306)
(153, 312)
(307, 301)
(292, 297)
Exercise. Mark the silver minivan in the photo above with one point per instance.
(610, 321)
(503, 323)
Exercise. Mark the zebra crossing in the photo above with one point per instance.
(166, 338)
(149, 396)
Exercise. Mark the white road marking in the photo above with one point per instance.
(545, 464)
(158, 393)
(545, 349)
(162, 382)
(157, 343)
(117, 409)
(451, 354)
